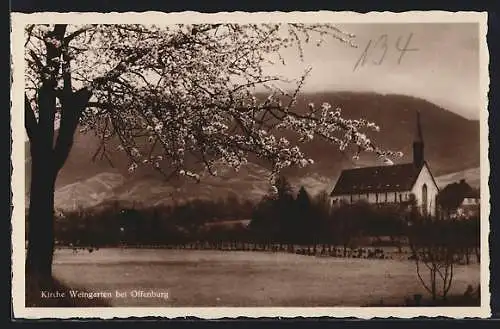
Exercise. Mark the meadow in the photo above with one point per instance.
(206, 278)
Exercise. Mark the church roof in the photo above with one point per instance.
(400, 177)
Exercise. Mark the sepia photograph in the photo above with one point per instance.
(251, 161)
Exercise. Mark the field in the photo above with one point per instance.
(222, 278)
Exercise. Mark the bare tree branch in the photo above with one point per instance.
(37, 60)
(29, 30)
(73, 35)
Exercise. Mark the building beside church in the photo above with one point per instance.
(471, 203)
(391, 184)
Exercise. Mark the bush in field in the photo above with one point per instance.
(386, 221)
(348, 222)
(468, 234)
(436, 245)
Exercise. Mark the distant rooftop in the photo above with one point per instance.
(399, 177)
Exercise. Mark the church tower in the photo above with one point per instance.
(418, 145)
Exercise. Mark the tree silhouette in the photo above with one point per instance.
(434, 246)
(349, 222)
(305, 226)
(303, 199)
(452, 196)
(284, 204)
(264, 224)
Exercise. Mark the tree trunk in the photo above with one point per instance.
(41, 217)
(433, 283)
(46, 161)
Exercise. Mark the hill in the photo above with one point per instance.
(451, 145)
(451, 141)
(472, 176)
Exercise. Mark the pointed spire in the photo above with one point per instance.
(418, 137)
(418, 145)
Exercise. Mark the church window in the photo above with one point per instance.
(424, 199)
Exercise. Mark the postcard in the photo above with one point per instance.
(266, 164)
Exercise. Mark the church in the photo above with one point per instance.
(391, 184)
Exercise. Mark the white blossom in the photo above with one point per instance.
(190, 93)
(133, 166)
(135, 152)
(388, 162)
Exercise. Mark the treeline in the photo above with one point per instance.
(304, 220)
(113, 223)
(280, 221)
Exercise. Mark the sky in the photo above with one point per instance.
(444, 67)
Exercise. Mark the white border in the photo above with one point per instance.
(18, 176)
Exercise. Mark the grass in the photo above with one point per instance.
(206, 278)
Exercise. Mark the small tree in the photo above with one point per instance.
(348, 222)
(284, 211)
(321, 210)
(302, 228)
(434, 249)
(386, 221)
(452, 196)
(468, 234)
(263, 225)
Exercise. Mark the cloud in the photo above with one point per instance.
(444, 69)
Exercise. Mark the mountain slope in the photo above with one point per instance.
(451, 145)
(252, 186)
(472, 176)
(451, 141)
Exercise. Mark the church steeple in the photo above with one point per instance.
(418, 145)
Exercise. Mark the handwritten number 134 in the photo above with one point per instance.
(377, 50)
